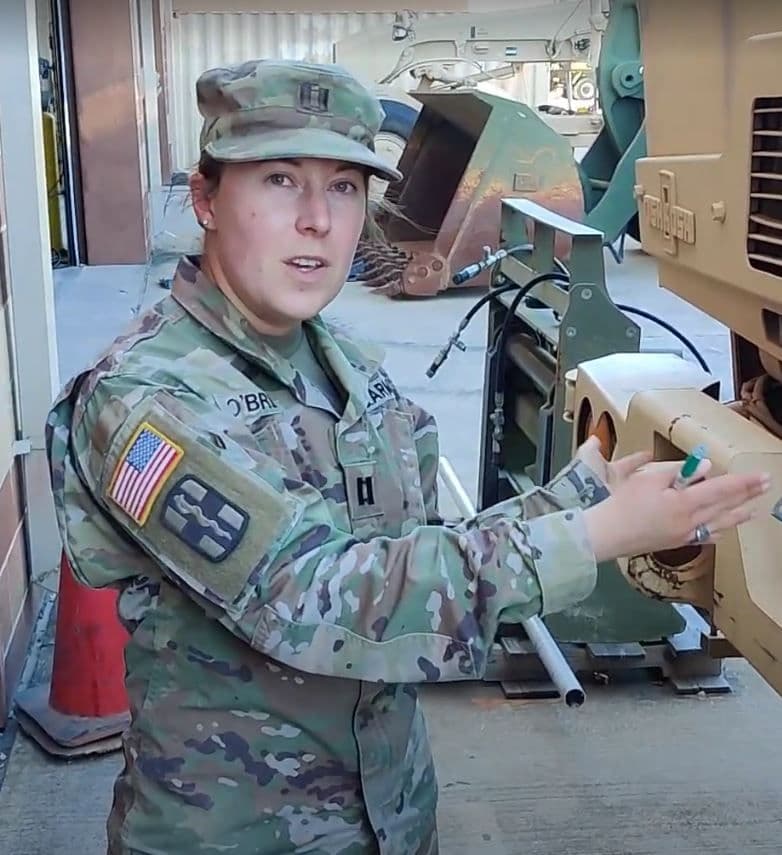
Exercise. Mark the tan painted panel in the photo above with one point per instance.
(710, 210)
(710, 180)
(683, 79)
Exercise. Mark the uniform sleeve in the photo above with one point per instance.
(577, 485)
(260, 551)
(428, 449)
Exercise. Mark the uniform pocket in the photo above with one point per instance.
(278, 439)
(404, 501)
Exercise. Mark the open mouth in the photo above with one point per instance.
(307, 263)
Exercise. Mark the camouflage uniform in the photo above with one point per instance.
(285, 578)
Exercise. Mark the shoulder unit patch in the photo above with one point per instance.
(204, 519)
(143, 468)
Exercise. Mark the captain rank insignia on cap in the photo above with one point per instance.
(313, 97)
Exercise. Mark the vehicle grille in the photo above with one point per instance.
(764, 233)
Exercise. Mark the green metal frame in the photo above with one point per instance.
(607, 170)
(549, 336)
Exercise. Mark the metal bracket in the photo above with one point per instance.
(21, 447)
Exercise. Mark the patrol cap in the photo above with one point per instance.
(275, 109)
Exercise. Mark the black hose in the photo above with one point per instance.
(473, 270)
(498, 353)
(553, 276)
(454, 341)
(632, 310)
(562, 275)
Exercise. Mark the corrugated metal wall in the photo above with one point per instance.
(205, 40)
(201, 40)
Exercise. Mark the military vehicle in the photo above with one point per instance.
(565, 361)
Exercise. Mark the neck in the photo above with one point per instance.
(267, 327)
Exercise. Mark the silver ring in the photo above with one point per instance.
(702, 534)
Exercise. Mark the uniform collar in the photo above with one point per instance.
(204, 301)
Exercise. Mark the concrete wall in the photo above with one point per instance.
(17, 603)
(29, 540)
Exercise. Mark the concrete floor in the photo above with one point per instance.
(635, 771)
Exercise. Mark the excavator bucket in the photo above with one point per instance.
(468, 150)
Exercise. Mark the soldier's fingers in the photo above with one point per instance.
(723, 492)
(591, 443)
(625, 466)
(728, 520)
(660, 474)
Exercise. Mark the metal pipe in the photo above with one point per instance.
(539, 366)
(559, 670)
(526, 414)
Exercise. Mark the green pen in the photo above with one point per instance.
(689, 467)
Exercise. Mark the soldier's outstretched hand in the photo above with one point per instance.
(612, 473)
(644, 513)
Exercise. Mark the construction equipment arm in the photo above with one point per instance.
(556, 32)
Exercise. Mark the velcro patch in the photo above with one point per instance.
(142, 471)
(379, 392)
(204, 519)
(211, 525)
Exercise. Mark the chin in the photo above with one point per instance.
(304, 306)
(307, 302)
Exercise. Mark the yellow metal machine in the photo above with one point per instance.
(710, 203)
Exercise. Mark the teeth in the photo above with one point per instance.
(306, 262)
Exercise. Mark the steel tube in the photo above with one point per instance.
(539, 365)
(559, 670)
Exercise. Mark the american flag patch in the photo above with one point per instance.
(143, 469)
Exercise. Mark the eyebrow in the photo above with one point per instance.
(343, 165)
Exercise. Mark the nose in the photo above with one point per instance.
(314, 216)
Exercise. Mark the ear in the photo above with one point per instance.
(201, 198)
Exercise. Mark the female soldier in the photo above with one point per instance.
(265, 500)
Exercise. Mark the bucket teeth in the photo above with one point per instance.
(379, 266)
(393, 288)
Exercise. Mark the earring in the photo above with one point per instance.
(205, 223)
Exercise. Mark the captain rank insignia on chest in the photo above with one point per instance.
(362, 490)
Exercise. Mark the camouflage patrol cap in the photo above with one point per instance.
(274, 109)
